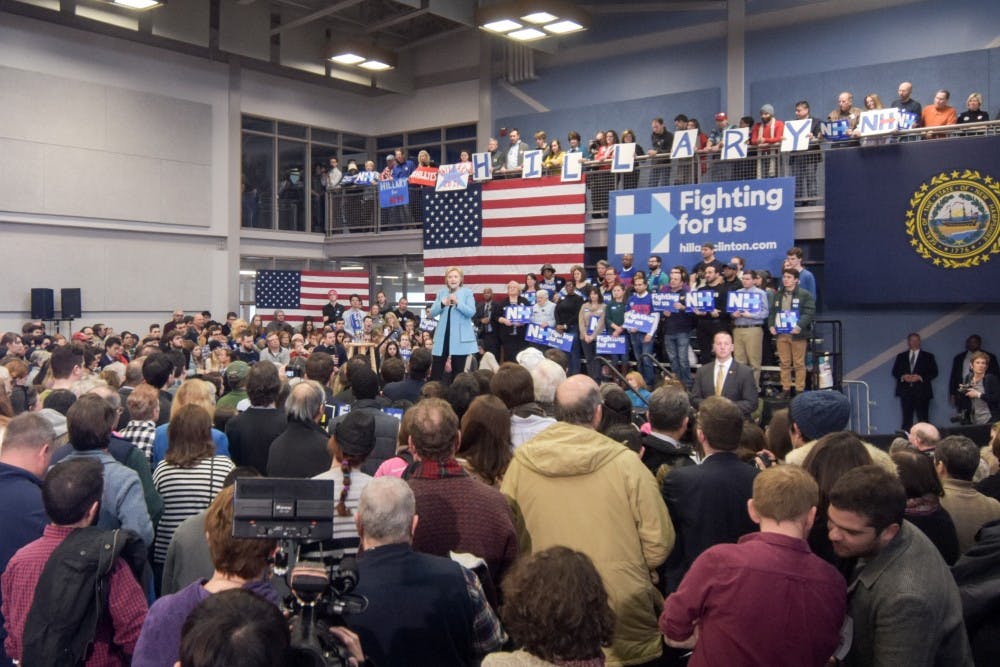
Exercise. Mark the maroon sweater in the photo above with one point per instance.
(460, 513)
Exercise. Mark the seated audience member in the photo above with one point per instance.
(191, 392)
(768, 574)
(252, 431)
(833, 455)
(438, 605)
(707, 502)
(123, 504)
(975, 112)
(409, 388)
(814, 414)
(956, 460)
(300, 451)
(616, 417)
(364, 386)
(352, 441)
(513, 384)
(939, 113)
(190, 475)
(568, 624)
(482, 524)
(546, 376)
(485, 450)
(923, 502)
(144, 408)
(239, 563)
(59, 632)
(904, 604)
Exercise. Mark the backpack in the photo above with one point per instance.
(72, 594)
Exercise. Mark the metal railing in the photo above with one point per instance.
(356, 209)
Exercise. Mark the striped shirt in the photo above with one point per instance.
(185, 492)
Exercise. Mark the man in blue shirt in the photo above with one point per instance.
(24, 458)
(807, 280)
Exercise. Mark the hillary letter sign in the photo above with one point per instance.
(753, 219)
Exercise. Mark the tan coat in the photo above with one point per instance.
(572, 486)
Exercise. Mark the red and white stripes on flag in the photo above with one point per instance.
(312, 289)
(524, 224)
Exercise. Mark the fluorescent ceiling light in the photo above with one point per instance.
(375, 65)
(526, 34)
(348, 59)
(138, 4)
(540, 17)
(503, 25)
(563, 27)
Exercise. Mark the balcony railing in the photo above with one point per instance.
(357, 210)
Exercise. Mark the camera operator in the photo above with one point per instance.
(436, 604)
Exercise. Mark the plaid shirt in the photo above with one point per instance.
(118, 628)
(141, 434)
(487, 634)
(436, 470)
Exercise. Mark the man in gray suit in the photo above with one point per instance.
(903, 601)
(725, 377)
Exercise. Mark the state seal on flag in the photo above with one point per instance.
(954, 219)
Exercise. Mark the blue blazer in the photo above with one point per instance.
(462, 337)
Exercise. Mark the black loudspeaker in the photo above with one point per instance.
(71, 305)
(42, 303)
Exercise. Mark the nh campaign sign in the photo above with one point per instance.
(752, 219)
(549, 336)
(916, 222)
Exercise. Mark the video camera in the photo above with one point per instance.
(297, 512)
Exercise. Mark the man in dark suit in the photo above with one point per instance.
(736, 379)
(708, 502)
(483, 321)
(914, 369)
(960, 366)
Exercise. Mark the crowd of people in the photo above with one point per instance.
(509, 503)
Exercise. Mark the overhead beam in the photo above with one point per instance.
(396, 20)
(650, 7)
(309, 18)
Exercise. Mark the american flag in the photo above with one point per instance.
(501, 230)
(301, 293)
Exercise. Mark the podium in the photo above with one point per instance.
(363, 348)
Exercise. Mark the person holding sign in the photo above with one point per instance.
(591, 324)
(510, 328)
(678, 324)
(641, 302)
(790, 320)
(749, 311)
(455, 335)
(543, 313)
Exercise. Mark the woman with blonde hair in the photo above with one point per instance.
(454, 336)
(191, 392)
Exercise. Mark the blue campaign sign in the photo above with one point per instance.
(610, 344)
(743, 301)
(785, 321)
(664, 301)
(754, 219)
(641, 322)
(702, 300)
(548, 336)
(518, 315)
(393, 193)
(428, 324)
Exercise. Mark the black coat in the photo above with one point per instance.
(926, 367)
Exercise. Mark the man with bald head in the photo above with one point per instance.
(573, 486)
(906, 103)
